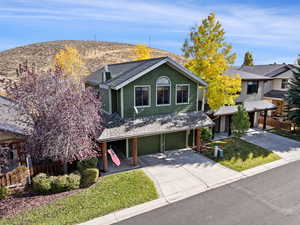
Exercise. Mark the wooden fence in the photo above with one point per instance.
(276, 123)
(19, 177)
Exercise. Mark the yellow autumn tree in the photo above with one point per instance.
(209, 56)
(142, 52)
(70, 61)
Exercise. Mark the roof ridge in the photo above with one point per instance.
(144, 60)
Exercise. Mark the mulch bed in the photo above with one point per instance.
(21, 202)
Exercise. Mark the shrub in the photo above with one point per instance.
(41, 183)
(4, 192)
(89, 176)
(74, 181)
(206, 134)
(65, 183)
(86, 164)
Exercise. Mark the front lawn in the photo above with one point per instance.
(113, 192)
(286, 134)
(241, 155)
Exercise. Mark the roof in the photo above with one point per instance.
(10, 120)
(157, 124)
(124, 73)
(243, 74)
(275, 94)
(251, 106)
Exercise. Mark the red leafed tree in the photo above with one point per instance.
(64, 116)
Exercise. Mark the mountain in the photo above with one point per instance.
(94, 53)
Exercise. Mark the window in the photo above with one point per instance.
(182, 94)
(252, 87)
(142, 96)
(163, 91)
(284, 84)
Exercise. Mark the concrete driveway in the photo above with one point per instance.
(183, 170)
(286, 148)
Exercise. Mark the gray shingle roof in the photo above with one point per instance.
(10, 120)
(250, 106)
(122, 72)
(275, 94)
(151, 125)
(243, 74)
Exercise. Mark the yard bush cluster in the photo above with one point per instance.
(4, 192)
(89, 177)
(44, 184)
(86, 164)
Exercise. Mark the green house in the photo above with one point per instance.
(149, 106)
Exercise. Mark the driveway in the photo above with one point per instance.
(183, 170)
(286, 148)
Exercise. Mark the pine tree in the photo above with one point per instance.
(240, 122)
(209, 57)
(248, 59)
(293, 99)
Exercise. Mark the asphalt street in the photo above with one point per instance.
(270, 198)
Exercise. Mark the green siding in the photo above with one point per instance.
(150, 79)
(147, 145)
(116, 101)
(175, 140)
(104, 93)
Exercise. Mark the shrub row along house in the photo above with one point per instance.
(150, 106)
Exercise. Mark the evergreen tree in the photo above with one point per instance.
(240, 122)
(293, 99)
(248, 59)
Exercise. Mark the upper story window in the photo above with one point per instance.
(182, 94)
(252, 87)
(142, 96)
(163, 91)
(284, 84)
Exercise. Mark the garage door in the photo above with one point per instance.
(175, 141)
(149, 145)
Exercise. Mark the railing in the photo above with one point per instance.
(276, 123)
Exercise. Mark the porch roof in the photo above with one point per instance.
(251, 106)
(152, 125)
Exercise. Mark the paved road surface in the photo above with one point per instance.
(270, 198)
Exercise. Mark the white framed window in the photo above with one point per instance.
(163, 91)
(284, 83)
(182, 94)
(142, 96)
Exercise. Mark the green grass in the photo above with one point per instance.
(113, 192)
(241, 155)
(286, 134)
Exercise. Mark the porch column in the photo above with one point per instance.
(229, 125)
(134, 150)
(104, 156)
(265, 119)
(198, 141)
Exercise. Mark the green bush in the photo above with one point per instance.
(206, 134)
(86, 164)
(4, 192)
(44, 184)
(89, 177)
(41, 183)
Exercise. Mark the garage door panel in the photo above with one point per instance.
(175, 140)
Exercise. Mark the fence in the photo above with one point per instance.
(19, 177)
(275, 123)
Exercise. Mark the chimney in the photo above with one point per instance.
(106, 74)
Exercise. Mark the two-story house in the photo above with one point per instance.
(251, 95)
(277, 86)
(149, 106)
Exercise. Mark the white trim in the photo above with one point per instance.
(109, 101)
(184, 103)
(203, 99)
(122, 103)
(172, 63)
(197, 99)
(149, 100)
(170, 95)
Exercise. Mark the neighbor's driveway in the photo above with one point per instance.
(286, 148)
(183, 170)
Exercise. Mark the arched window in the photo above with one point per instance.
(163, 91)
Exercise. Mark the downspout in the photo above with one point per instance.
(203, 99)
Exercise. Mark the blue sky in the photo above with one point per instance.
(269, 29)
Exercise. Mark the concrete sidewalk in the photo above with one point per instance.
(183, 173)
